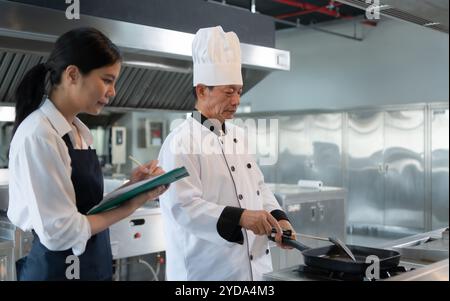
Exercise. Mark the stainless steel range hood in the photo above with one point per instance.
(157, 70)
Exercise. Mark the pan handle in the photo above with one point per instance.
(295, 244)
(291, 242)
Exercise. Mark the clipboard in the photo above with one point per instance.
(120, 196)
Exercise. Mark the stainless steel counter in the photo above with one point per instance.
(293, 194)
(434, 272)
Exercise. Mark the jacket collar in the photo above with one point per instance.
(208, 123)
(61, 125)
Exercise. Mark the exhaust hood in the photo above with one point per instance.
(157, 69)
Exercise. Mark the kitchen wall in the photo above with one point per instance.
(396, 63)
(392, 160)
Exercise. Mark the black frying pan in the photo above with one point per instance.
(331, 258)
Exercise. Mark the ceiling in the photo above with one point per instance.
(306, 12)
(289, 13)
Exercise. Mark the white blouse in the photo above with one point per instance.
(41, 193)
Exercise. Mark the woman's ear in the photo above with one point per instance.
(72, 74)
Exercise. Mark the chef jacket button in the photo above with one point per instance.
(235, 140)
(267, 251)
(251, 257)
(233, 168)
(241, 197)
(249, 165)
(257, 192)
(211, 128)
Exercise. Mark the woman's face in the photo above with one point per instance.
(96, 88)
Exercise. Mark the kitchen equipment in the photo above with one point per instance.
(330, 258)
(336, 241)
(139, 234)
(7, 263)
(157, 65)
(409, 269)
(4, 193)
(310, 184)
(319, 213)
(4, 198)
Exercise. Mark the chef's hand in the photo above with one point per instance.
(145, 171)
(260, 222)
(285, 225)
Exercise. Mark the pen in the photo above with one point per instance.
(135, 160)
(139, 164)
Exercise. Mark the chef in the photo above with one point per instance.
(217, 220)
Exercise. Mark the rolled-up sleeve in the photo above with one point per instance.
(41, 178)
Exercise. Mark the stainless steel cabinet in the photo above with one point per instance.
(404, 177)
(365, 168)
(311, 149)
(7, 263)
(439, 167)
(319, 213)
(386, 178)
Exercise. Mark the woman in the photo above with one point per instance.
(55, 175)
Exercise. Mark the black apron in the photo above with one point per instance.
(96, 261)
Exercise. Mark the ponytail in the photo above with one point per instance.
(30, 93)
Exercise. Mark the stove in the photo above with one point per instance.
(306, 273)
(320, 274)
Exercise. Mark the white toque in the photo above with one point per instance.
(217, 57)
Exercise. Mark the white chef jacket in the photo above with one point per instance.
(41, 193)
(192, 207)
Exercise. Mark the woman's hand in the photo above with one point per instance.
(103, 220)
(141, 199)
(145, 171)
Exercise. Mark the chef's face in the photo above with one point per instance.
(94, 89)
(219, 102)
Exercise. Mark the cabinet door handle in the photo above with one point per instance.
(321, 212)
(313, 213)
(381, 169)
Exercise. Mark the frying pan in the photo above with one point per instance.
(332, 259)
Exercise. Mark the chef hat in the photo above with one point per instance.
(217, 57)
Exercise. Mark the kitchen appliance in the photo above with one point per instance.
(331, 258)
(4, 193)
(139, 234)
(7, 263)
(410, 267)
(157, 65)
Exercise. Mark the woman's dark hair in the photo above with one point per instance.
(86, 48)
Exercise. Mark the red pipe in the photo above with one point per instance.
(308, 8)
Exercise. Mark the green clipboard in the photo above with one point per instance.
(124, 194)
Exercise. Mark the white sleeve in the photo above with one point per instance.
(44, 180)
(183, 201)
